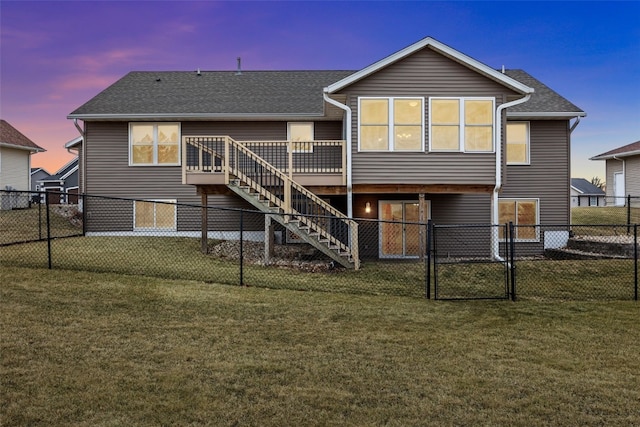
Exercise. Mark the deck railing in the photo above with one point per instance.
(238, 160)
(203, 154)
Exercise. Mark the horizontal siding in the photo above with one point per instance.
(632, 170)
(613, 166)
(109, 174)
(424, 74)
(547, 177)
(14, 170)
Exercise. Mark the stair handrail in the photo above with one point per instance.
(288, 184)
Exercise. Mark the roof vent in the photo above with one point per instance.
(502, 69)
(239, 70)
(158, 79)
(198, 72)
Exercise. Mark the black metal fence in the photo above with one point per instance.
(164, 239)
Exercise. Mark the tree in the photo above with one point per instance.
(598, 182)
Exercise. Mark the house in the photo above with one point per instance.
(36, 175)
(584, 193)
(622, 172)
(15, 164)
(424, 133)
(63, 185)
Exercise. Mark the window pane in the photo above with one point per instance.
(526, 212)
(445, 111)
(407, 111)
(144, 215)
(168, 134)
(391, 232)
(142, 134)
(301, 131)
(517, 143)
(142, 154)
(165, 215)
(168, 153)
(374, 137)
(506, 214)
(478, 112)
(374, 111)
(445, 137)
(408, 138)
(478, 138)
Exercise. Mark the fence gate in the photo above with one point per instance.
(470, 261)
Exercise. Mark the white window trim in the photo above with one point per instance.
(536, 225)
(155, 144)
(313, 135)
(391, 124)
(528, 148)
(154, 201)
(462, 126)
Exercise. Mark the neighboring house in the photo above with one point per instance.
(63, 185)
(584, 193)
(425, 133)
(38, 174)
(622, 172)
(15, 164)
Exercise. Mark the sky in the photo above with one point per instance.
(56, 55)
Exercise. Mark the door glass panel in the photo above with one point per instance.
(391, 232)
(412, 231)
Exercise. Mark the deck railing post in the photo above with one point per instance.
(226, 160)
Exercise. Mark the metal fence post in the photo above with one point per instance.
(39, 219)
(241, 248)
(48, 231)
(84, 214)
(428, 261)
(512, 265)
(635, 261)
(628, 213)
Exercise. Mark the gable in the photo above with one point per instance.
(430, 73)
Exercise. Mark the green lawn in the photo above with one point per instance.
(22, 225)
(180, 258)
(616, 215)
(94, 349)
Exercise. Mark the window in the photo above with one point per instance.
(518, 143)
(461, 124)
(154, 144)
(521, 212)
(152, 215)
(300, 134)
(391, 124)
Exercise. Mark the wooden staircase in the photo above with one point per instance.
(272, 191)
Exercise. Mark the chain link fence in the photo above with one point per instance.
(165, 239)
(608, 210)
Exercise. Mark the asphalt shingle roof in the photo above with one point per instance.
(225, 93)
(634, 147)
(214, 92)
(544, 100)
(12, 136)
(585, 187)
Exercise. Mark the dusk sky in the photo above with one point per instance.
(56, 55)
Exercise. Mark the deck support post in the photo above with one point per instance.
(205, 224)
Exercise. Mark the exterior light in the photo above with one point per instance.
(367, 207)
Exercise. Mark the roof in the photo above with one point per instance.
(583, 186)
(434, 44)
(74, 143)
(632, 149)
(212, 94)
(195, 95)
(13, 138)
(64, 172)
(544, 102)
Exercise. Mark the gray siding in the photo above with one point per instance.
(107, 148)
(425, 74)
(547, 177)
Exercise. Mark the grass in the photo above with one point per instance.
(180, 258)
(616, 215)
(94, 349)
(20, 225)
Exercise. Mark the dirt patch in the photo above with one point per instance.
(298, 256)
